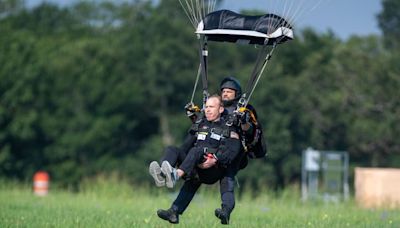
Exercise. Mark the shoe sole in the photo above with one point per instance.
(155, 172)
(166, 169)
(224, 220)
(160, 215)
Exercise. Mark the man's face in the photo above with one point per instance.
(213, 109)
(228, 94)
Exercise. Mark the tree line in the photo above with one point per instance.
(99, 87)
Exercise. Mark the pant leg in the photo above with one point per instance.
(174, 155)
(227, 185)
(210, 175)
(185, 195)
(194, 157)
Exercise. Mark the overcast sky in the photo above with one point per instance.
(343, 17)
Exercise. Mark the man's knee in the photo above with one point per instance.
(171, 154)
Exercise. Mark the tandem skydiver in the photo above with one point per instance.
(250, 132)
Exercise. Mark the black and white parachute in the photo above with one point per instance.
(267, 31)
(228, 26)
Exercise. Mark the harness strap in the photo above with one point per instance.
(223, 131)
(195, 126)
(208, 150)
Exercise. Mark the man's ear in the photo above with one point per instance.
(221, 109)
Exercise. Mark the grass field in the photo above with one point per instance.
(120, 205)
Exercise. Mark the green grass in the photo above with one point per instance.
(120, 205)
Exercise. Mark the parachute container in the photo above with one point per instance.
(228, 26)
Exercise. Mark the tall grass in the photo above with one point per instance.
(111, 202)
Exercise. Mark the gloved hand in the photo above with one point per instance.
(244, 117)
(190, 109)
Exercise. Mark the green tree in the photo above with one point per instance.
(99, 87)
(67, 105)
(389, 22)
(370, 100)
(9, 7)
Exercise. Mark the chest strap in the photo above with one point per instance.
(223, 131)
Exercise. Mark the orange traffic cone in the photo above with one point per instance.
(41, 183)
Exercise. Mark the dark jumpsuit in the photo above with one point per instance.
(226, 150)
(175, 156)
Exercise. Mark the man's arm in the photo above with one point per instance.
(229, 149)
(226, 153)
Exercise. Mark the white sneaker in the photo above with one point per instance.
(155, 172)
(170, 173)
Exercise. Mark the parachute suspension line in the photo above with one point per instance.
(279, 21)
(196, 10)
(291, 11)
(199, 7)
(288, 9)
(297, 12)
(195, 84)
(311, 8)
(294, 10)
(274, 23)
(211, 6)
(206, 7)
(189, 13)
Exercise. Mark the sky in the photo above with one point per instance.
(344, 17)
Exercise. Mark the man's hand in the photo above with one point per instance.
(191, 109)
(244, 117)
(209, 162)
(244, 120)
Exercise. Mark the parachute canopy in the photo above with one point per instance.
(228, 26)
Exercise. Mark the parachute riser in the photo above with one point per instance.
(256, 75)
(195, 84)
(203, 52)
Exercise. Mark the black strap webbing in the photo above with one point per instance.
(203, 63)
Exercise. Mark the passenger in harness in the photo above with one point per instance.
(214, 139)
(251, 134)
(230, 92)
(221, 166)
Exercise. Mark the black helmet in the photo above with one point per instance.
(232, 83)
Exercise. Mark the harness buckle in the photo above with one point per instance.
(242, 102)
